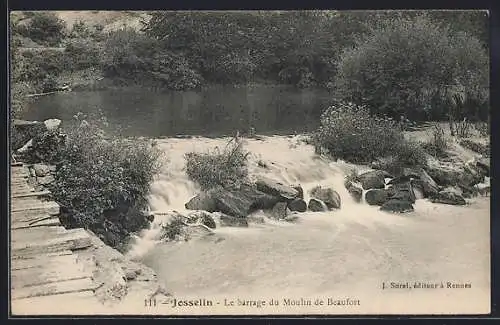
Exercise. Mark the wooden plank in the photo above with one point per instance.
(16, 164)
(30, 213)
(27, 202)
(72, 241)
(39, 233)
(50, 221)
(78, 285)
(43, 260)
(22, 190)
(30, 194)
(14, 258)
(49, 273)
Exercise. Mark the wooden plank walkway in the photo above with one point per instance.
(42, 260)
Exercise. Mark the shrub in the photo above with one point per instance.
(438, 144)
(348, 132)
(226, 168)
(45, 28)
(103, 182)
(82, 54)
(136, 58)
(410, 67)
(173, 228)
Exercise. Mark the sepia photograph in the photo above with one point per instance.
(258, 162)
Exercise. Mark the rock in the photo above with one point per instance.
(52, 124)
(300, 190)
(229, 221)
(242, 202)
(484, 164)
(448, 197)
(427, 183)
(27, 146)
(298, 205)
(45, 180)
(354, 190)
(443, 175)
(376, 196)
(402, 191)
(329, 196)
(396, 205)
(275, 188)
(279, 211)
(202, 201)
(201, 217)
(373, 180)
(316, 205)
(41, 170)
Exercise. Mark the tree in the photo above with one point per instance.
(412, 66)
(45, 28)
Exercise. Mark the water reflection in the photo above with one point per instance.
(215, 110)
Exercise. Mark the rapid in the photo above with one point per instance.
(350, 252)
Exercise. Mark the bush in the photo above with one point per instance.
(103, 182)
(173, 228)
(348, 132)
(136, 58)
(438, 144)
(45, 28)
(82, 54)
(411, 67)
(217, 168)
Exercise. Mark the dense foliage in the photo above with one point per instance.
(415, 68)
(216, 168)
(103, 182)
(350, 133)
(42, 27)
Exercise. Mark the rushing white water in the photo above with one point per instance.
(354, 248)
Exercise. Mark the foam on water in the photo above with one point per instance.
(357, 245)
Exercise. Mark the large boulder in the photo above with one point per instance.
(316, 205)
(397, 206)
(373, 179)
(449, 196)
(424, 181)
(402, 191)
(243, 201)
(354, 190)
(203, 201)
(377, 196)
(328, 195)
(298, 205)
(275, 188)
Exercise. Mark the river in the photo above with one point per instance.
(350, 253)
(214, 110)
